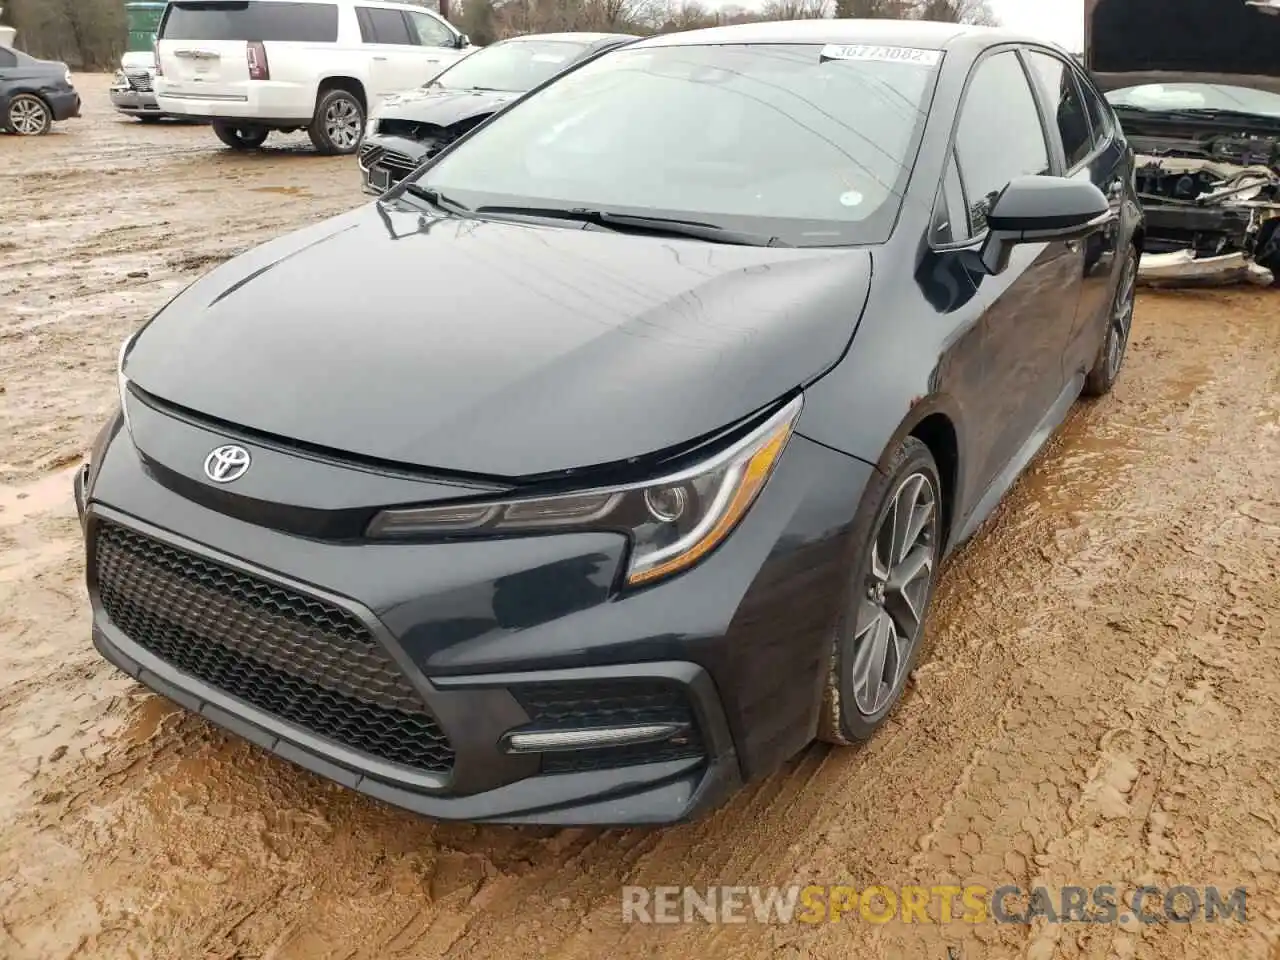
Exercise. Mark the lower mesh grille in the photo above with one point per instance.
(614, 703)
(304, 660)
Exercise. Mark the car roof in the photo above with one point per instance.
(925, 34)
(571, 37)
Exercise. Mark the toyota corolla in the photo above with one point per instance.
(607, 461)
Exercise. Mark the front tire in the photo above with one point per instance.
(338, 124)
(247, 137)
(1106, 368)
(899, 536)
(28, 116)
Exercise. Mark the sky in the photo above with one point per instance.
(1061, 21)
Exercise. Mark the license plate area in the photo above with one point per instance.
(379, 177)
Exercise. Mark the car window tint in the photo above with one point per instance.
(429, 31)
(1099, 112)
(1000, 136)
(1058, 82)
(7, 58)
(273, 22)
(388, 26)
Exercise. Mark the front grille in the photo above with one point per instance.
(299, 658)
(140, 82)
(613, 703)
(398, 163)
(369, 152)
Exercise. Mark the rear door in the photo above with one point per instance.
(394, 57)
(203, 44)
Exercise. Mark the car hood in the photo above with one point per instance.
(443, 108)
(1131, 42)
(498, 349)
(138, 60)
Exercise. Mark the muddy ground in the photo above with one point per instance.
(1099, 701)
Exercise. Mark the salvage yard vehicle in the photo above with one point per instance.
(621, 461)
(1196, 84)
(414, 126)
(253, 66)
(133, 87)
(34, 94)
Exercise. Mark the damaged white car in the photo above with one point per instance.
(1197, 91)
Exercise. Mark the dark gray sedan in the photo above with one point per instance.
(610, 459)
(34, 93)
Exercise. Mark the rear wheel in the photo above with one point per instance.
(241, 137)
(28, 115)
(1106, 368)
(338, 124)
(899, 532)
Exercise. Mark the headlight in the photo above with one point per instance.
(118, 82)
(371, 127)
(122, 382)
(68, 78)
(673, 521)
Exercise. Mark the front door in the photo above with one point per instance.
(1030, 307)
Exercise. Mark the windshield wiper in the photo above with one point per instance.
(634, 223)
(430, 194)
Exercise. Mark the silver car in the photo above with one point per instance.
(133, 89)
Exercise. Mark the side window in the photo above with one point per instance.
(1059, 84)
(1099, 112)
(7, 58)
(951, 214)
(428, 31)
(387, 26)
(1000, 136)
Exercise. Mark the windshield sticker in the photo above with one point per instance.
(927, 58)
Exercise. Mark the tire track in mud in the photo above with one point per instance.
(1080, 713)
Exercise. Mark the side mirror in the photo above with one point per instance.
(1040, 209)
(463, 41)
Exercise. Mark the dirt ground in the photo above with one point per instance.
(1099, 700)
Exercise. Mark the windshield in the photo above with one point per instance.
(1197, 96)
(513, 66)
(770, 139)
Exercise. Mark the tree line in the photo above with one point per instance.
(90, 34)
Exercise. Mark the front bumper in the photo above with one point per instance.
(135, 102)
(481, 631)
(65, 104)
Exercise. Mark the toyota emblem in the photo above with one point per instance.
(226, 463)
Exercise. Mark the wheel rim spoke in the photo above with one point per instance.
(908, 588)
(1122, 314)
(869, 669)
(891, 608)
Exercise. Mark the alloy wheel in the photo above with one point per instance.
(1121, 320)
(897, 588)
(342, 123)
(28, 116)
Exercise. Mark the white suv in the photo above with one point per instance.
(253, 66)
